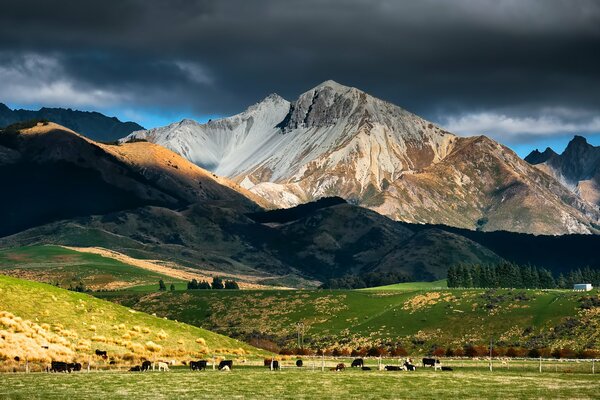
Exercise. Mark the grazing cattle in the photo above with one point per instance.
(365, 368)
(340, 367)
(409, 366)
(392, 368)
(267, 362)
(59, 366)
(146, 365)
(162, 366)
(430, 362)
(198, 365)
(137, 368)
(225, 368)
(74, 367)
(276, 365)
(299, 363)
(447, 369)
(226, 363)
(112, 362)
(102, 353)
(358, 362)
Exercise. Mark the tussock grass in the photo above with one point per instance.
(43, 323)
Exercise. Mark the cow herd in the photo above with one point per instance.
(271, 363)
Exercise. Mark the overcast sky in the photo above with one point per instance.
(524, 72)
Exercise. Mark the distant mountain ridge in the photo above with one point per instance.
(336, 140)
(92, 124)
(578, 167)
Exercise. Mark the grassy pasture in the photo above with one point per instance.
(409, 286)
(305, 383)
(51, 264)
(415, 319)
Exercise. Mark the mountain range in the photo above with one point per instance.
(336, 140)
(148, 202)
(371, 190)
(94, 125)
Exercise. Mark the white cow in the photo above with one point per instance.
(162, 366)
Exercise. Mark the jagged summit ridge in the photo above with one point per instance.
(336, 140)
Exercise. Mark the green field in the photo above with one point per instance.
(55, 264)
(72, 325)
(419, 320)
(409, 286)
(300, 384)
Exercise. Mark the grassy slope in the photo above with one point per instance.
(417, 320)
(57, 264)
(407, 286)
(74, 325)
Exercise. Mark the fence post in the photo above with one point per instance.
(26, 365)
(593, 366)
(540, 364)
(323, 362)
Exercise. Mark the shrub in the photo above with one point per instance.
(399, 352)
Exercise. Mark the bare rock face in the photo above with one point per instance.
(578, 168)
(339, 141)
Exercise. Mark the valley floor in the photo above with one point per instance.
(255, 382)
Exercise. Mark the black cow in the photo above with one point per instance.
(410, 367)
(59, 366)
(392, 368)
(102, 353)
(299, 363)
(74, 367)
(358, 362)
(137, 368)
(446, 368)
(224, 363)
(430, 362)
(365, 368)
(276, 365)
(146, 365)
(198, 365)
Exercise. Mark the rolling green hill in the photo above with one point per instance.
(43, 322)
(418, 320)
(408, 286)
(56, 264)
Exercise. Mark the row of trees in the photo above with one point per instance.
(510, 275)
(217, 283)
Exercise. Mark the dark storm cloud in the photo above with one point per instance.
(524, 60)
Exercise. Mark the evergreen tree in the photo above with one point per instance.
(161, 286)
(204, 285)
(451, 281)
(561, 282)
(192, 285)
(231, 285)
(172, 288)
(217, 283)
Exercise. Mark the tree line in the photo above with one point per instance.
(369, 279)
(217, 283)
(511, 275)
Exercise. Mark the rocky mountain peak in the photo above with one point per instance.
(537, 157)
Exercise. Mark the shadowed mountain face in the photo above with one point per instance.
(339, 141)
(578, 168)
(52, 173)
(94, 125)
